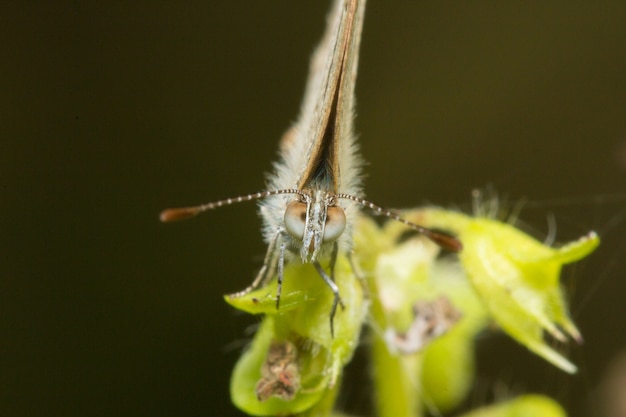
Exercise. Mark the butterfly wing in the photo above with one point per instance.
(319, 149)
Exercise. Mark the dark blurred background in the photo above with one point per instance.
(112, 111)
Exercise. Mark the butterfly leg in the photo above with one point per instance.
(265, 273)
(281, 268)
(335, 290)
(333, 261)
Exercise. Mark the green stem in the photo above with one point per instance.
(395, 376)
(325, 406)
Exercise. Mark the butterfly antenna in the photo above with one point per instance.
(183, 213)
(442, 239)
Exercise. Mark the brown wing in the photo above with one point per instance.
(331, 92)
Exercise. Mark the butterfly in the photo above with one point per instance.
(313, 196)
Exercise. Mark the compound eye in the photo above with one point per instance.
(295, 219)
(335, 224)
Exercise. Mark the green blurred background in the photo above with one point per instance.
(111, 111)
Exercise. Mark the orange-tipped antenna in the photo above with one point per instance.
(181, 213)
(442, 239)
(184, 213)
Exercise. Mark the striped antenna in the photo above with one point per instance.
(183, 213)
(444, 240)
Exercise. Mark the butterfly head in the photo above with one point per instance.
(314, 219)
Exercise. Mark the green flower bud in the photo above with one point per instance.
(294, 364)
(517, 278)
